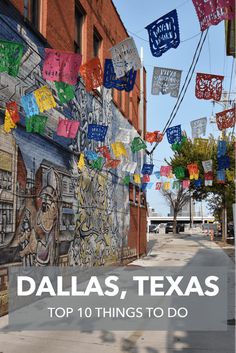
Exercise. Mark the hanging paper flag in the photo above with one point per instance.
(44, 98)
(208, 86)
(223, 162)
(91, 155)
(198, 127)
(149, 185)
(146, 178)
(98, 164)
(118, 149)
(124, 83)
(158, 185)
(198, 183)
(166, 185)
(174, 134)
(137, 178)
(124, 135)
(10, 57)
(186, 184)
(104, 152)
(193, 171)
(137, 144)
(67, 128)
(65, 92)
(129, 167)
(176, 185)
(8, 123)
(13, 111)
(92, 74)
(179, 172)
(230, 174)
(36, 123)
(126, 180)
(157, 174)
(212, 12)
(155, 136)
(112, 163)
(207, 165)
(144, 186)
(221, 148)
(225, 119)
(81, 162)
(201, 144)
(29, 105)
(209, 178)
(125, 57)
(164, 33)
(166, 81)
(97, 132)
(61, 66)
(165, 170)
(147, 168)
(221, 176)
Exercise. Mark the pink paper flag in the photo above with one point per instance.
(211, 12)
(67, 128)
(61, 66)
(186, 184)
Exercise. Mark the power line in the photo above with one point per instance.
(182, 41)
(185, 85)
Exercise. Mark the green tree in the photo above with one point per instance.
(220, 197)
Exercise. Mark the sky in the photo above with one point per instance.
(136, 15)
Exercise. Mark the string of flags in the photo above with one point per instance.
(120, 72)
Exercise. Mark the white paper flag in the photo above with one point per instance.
(125, 57)
(207, 166)
(129, 167)
(166, 81)
(198, 127)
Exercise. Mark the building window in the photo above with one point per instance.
(97, 42)
(79, 21)
(32, 11)
(6, 220)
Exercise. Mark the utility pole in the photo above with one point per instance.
(190, 211)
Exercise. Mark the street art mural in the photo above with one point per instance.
(51, 213)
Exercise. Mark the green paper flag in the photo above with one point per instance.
(137, 144)
(98, 164)
(36, 123)
(179, 172)
(10, 57)
(65, 92)
(126, 180)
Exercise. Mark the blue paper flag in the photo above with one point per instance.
(124, 83)
(144, 186)
(157, 174)
(174, 134)
(197, 183)
(91, 155)
(223, 162)
(147, 169)
(149, 185)
(97, 132)
(29, 104)
(221, 148)
(221, 176)
(164, 33)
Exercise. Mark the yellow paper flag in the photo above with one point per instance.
(44, 98)
(230, 175)
(81, 162)
(166, 185)
(137, 178)
(118, 149)
(8, 122)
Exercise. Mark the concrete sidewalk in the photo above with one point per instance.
(165, 250)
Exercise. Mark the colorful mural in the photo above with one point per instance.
(50, 212)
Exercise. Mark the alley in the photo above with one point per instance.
(164, 250)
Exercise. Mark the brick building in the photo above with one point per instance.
(93, 219)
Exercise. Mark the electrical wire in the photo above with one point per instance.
(185, 85)
(182, 41)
